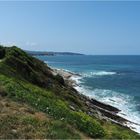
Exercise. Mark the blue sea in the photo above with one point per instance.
(111, 79)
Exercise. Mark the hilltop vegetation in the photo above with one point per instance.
(37, 104)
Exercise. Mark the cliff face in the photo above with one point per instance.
(28, 81)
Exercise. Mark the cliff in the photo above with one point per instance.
(36, 103)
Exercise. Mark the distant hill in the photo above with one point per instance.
(51, 53)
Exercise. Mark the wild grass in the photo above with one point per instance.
(58, 109)
(46, 101)
(23, 125)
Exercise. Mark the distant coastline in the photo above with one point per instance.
(44, 53)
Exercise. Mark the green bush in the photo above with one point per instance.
(87, 124)
(2, 52)
(2, 91)
(60, 79)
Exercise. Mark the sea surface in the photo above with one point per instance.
(114, 80)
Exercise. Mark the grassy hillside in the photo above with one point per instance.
(37, 104)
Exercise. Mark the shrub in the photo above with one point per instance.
(2, 52)
(60, 79)
(87, 124)
(2, 91)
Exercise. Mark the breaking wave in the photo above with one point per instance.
(97, 73)
(124, 102)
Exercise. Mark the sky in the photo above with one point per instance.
(89, 27)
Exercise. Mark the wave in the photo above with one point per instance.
(97, 73)
(51, 62)
(119, 100)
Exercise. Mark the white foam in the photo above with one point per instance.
(97, 73)
(116, 99)
(123, 102)
(51, 62)
(77, 79)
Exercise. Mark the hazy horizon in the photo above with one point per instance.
(93, 27)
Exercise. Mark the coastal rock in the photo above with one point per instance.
(105, 106)
(72, 108)
(14, 131)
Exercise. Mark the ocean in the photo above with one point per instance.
(114, 80)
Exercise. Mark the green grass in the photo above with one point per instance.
(58, 109)
(61, 130)
(47, 102)
(29, 127)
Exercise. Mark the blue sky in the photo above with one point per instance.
(86, 27)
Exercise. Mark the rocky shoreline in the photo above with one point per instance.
(96, 108)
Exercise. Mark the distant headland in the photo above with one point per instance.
(51, 53)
